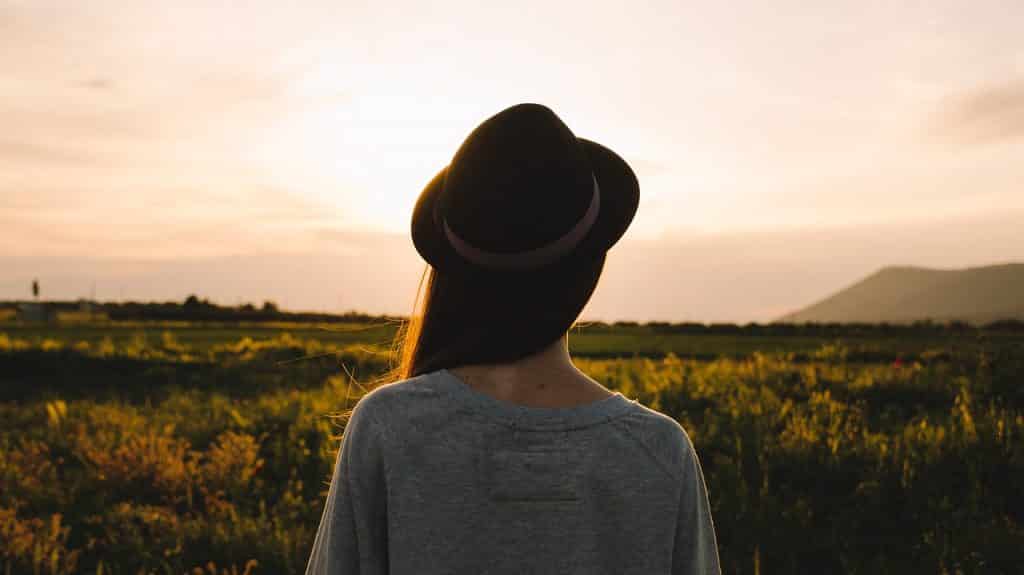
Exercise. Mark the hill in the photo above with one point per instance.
(908, 294)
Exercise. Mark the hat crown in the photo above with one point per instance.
(518, 182)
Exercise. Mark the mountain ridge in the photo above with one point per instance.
(904, 294)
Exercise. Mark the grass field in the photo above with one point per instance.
(206, 448)
(585, 341)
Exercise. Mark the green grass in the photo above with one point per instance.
(593, 341)
(141, 448)
(200, 335)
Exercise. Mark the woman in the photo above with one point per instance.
(493, 453)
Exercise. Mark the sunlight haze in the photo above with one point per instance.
(190, 131)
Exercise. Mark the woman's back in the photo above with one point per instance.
(530, 466)
(436, 477)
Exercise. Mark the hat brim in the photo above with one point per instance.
(620, 195)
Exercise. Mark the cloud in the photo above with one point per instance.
(986, 114)
(169, 222)
(41, 120)
(329, 268)
(20, 151)
(99, 83)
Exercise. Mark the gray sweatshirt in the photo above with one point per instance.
(434, 477)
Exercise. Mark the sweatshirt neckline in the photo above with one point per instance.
(523, 416)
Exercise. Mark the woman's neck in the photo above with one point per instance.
(545, 379)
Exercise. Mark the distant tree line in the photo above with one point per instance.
(816, 329)
(196, 309)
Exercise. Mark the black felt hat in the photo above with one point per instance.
(524, 193)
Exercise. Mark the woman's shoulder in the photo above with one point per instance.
(657, 423)
(663, 435)
(398, 397)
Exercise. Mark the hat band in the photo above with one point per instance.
(532, 258)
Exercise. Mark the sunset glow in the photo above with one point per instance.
(168, 131)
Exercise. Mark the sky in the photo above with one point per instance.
(784, 149)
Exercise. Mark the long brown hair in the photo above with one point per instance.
(490, 317)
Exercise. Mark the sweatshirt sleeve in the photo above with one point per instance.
(696, 547)
(352, 536)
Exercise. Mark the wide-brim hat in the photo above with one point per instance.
(524, 193)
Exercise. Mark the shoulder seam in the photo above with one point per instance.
(377, 429)
(664, 467)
